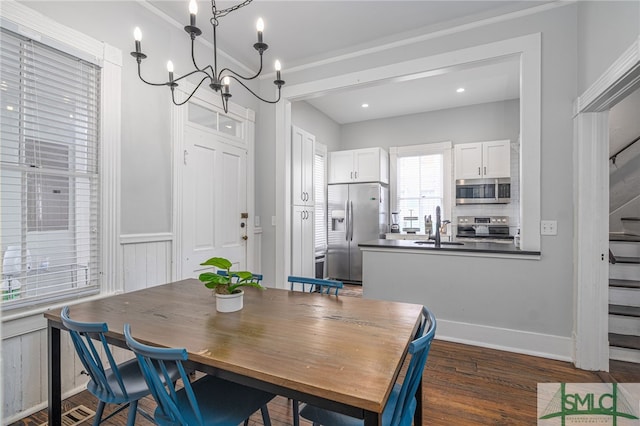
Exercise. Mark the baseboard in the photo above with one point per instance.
(31, 410)
(523, 342)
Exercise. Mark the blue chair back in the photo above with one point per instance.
(257, 278)
(419, 350)
(158, 378)
(83, 335)
(316, 284)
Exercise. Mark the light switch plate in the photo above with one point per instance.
(256, 221)
(273, 221)
(549, 227)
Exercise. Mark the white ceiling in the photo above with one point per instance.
(303, 31)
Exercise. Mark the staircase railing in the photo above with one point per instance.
(613, 157)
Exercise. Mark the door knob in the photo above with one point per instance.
(244, 237)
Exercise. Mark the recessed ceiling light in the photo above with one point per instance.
(365, 105)
(460, 90)
(228, 126)
(9, 107)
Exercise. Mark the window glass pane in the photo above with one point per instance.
(230, 126)
(202, 116)
(420, 188)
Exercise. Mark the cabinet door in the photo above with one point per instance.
(341, 167)
(468, 160)
(302, 249)
(496, 159)
(366, 165)
(302, 145)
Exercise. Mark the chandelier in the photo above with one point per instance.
(218, 80)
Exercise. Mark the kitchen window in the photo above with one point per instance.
(421, 177)
(49, 173)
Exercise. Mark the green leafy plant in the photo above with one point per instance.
(230, 283)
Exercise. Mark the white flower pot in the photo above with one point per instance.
(229, 302)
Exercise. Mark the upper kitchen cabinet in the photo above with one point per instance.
(481, 160)
(302, 146)
(359, 165)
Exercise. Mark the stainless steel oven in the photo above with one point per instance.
(483, 191)
(483, 228)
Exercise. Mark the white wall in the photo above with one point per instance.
(605, 30)
(314, 121)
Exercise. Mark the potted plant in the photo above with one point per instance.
(229, 295)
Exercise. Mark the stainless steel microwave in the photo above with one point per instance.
(483, 191)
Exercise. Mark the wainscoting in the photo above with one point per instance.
(146, 260)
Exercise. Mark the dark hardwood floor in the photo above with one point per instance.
(463, 385)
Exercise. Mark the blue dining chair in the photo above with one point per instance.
(119, 383)
(257, 278)
(207, 401)
(316, 284)
(401, 405)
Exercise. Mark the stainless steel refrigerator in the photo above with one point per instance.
(357, 212)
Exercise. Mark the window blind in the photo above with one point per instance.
(320, 197)
(49, 173)
(420, 188)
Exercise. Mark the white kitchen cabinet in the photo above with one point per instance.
(302, 151)
(302, 249)
(481, 160)
(359, 165)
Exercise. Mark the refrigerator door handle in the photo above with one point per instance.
(351, 220)
(347, 220)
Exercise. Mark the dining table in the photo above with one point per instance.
(337, 352)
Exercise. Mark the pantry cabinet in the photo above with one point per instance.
(359, 165)
(302, 146)
(480, 160)
(302, 248)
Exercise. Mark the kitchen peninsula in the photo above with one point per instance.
(483, 293)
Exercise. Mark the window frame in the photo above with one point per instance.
(22, 20)
(443, 148)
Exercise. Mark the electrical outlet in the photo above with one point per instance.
(549, 227)
(273, 221)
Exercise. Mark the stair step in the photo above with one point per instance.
(624, 283)
(628, 259)
(627, 311)
(624, 341)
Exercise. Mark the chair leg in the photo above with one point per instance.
(266, 419)
(133, 409)
(296, 412)
(99, 411)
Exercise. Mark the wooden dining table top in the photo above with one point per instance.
(339, 348)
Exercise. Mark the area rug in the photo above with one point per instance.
(75, 416)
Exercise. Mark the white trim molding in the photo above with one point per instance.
(591, 206)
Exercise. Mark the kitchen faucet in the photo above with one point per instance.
(438, 224)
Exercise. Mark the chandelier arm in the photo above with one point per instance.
(190, 96)
(207, 75)
(148, 82)
(254, 93)
(238, 75)
(195, 65)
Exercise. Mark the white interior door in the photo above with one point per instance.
(214, 194)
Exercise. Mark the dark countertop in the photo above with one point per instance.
(497, 248)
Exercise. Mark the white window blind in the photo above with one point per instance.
(320, 197)
(420, 188)
(49, 173)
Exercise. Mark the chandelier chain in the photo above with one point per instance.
(219, 14)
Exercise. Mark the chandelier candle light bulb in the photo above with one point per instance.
(170, 69)
(211, 73)
(260, 28)
(193, 11)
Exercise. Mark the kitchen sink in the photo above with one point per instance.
(444, 243)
